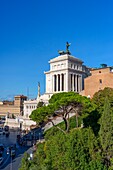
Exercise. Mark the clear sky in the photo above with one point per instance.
(32, 32)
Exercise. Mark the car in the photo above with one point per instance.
(7, 133)
(1, 147)
(1, 159)
(8, 150)
(1, 132)
(12, 150)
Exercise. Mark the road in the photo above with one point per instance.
(13, 164)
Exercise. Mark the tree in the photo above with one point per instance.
(106, 132)
(25, 163)
(76, 150)
(62, 104)
(99, 98)
(40, 104)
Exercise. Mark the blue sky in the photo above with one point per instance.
(32, 31)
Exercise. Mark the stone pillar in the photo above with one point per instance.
(53, 83)
(65, 83)
(76, 83)
(72, 82)
(80, 83)
(60, 82)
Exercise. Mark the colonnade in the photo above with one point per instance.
(74, 82)
(58, 82)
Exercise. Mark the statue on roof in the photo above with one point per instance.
(67, 47)
(61, 52)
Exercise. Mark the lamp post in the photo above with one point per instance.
(11, 167)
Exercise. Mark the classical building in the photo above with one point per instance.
(15, 107)
(66, 74)
(98, 80)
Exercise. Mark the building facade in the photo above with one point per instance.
(29, 106)
(98, 80)
(66, 74)
(15, 107)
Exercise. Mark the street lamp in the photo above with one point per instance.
(11, 167)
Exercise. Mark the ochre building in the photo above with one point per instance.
(98, 80)
(15, 107)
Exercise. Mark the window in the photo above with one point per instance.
(100, 81)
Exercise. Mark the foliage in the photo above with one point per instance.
(62, 104)
(88, 148)
(25, 163)
(106, 132)
(91, 120)
(77, 150)
(99, 98)
(40, 104)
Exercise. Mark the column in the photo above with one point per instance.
(71, 82)
(55, 83)
(60, 82)
(77, 83)
(80, 83)
(74, 82)
(65, 87)
(66, 84)
(76, 87)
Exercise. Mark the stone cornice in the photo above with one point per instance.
(65, 69)
(65, 57)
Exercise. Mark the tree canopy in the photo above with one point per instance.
(62, 104)
(88, 148)
(99, 98)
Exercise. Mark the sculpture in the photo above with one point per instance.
(61, 52)
(67, 47)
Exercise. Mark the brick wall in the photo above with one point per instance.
(98, 80)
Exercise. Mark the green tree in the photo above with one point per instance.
(77, 150)
(62, 104)
(40, 104)
(99, 98)
(25, 163)
(106, 132)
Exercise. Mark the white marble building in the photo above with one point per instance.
(29, 106)
(66, 74)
